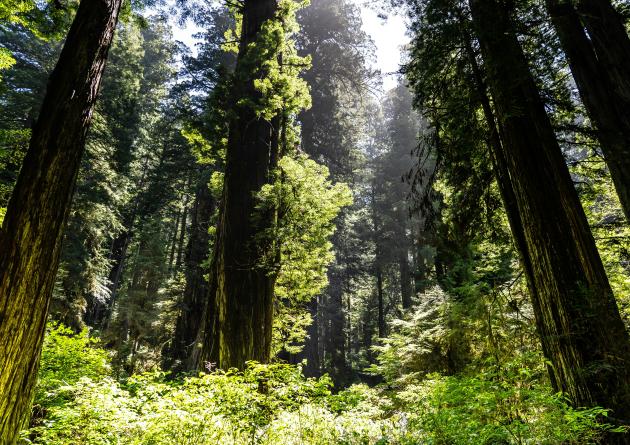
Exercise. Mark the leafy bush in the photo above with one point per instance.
(503, 405)
(265, 404)
(66, 359)
(79, 403)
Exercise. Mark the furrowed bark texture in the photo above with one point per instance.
(499, 165)
(32, 231)
(577, 317)
(238, 321)
(602, 79)
(179, 352)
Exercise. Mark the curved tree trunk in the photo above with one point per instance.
(576, 313)
(31, 236)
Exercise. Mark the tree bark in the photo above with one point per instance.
(602, 80)
(406, 291)
(238, 327)
(610, 40)
(178, 354)
(335, 346)
(31, 235)
(182, 235)
(173, 243)
(499, 164)
(311, 345)
(576, 313)
(381, 302)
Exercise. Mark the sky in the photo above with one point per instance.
(388, 36)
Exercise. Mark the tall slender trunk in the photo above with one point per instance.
(177, 355)
(499, 163)
(381, 302)
(576, 313)
(310, 353)
(609, 36)
(239, 327)
(171, 257)
(378, 266)
(182, 235)
(30, 238)
(596, 80)
(406, 291)
(336, 335)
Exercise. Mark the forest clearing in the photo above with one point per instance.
(294, 222)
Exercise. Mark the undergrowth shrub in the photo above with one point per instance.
(80, 403)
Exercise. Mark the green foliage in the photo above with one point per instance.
(308, 203)
(264, 404)
(6, 60)
(505, 406)
(272, 61)
(418, 344)
(609, 227)
(66, 359)
(79, 403)
(13, 146)
(13, 11)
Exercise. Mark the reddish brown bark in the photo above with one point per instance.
(31, 234)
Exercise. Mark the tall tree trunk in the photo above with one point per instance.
(310, 353)
(406, 290)
(30, 238)
(576, 313)
(182, 235)
(177, 355)
(171, 257)
(610, 39)
(381, 302)
(603, 95)
(336, 338)
(499, 162)
(239, 327)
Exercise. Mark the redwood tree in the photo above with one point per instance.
(238, 320)
(31, 234)
(581, 331)
(600, 63)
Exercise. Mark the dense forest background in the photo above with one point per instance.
(257, 244)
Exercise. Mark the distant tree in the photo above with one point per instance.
(331, 131)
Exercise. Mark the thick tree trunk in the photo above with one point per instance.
(177, 355)
(242, 280)
(31, 235)
(601, 84)
(499, 164)
(576, 313)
